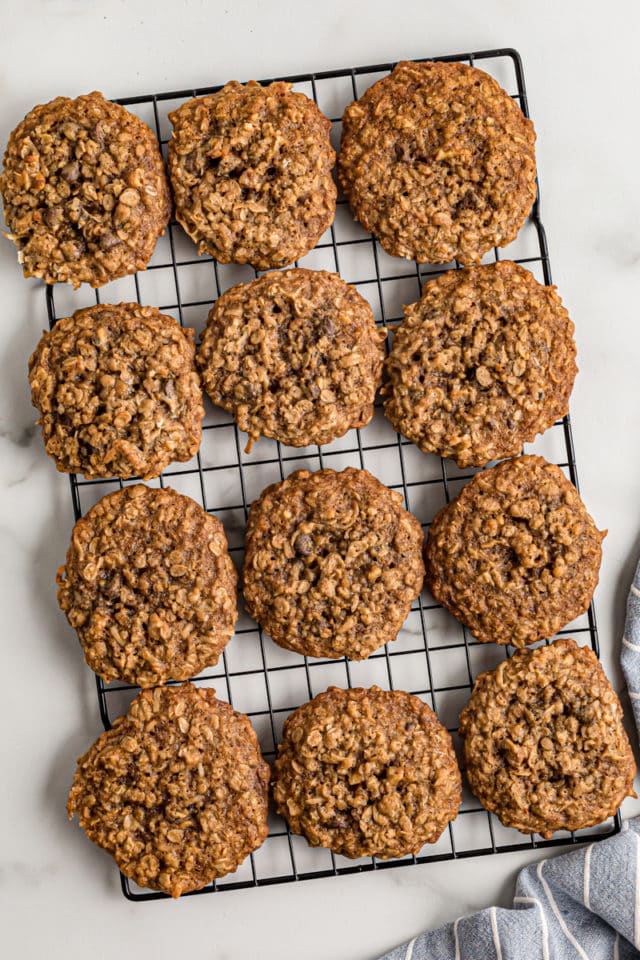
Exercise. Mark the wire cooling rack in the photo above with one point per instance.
(434, 657)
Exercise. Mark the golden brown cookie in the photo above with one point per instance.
(481, 364)
(544, 744)
(332, 563)
(85, 191)
(117, 391)
(250, 168)
(294, 355)
(149, 586)
(438, 162)
(366, 773)
(176, 791)
(515, 556)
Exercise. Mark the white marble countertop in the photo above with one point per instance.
(60, 896)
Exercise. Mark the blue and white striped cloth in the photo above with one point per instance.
(584, 905)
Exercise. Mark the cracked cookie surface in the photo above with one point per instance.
(149, 586)
(85, 191)
(515, 556)
(117, 391)
(294, 355)
(332, 563)
(544, 744)
(481, 364)
(366, 773)
(251, 171)
(438, 162)
(176, 791)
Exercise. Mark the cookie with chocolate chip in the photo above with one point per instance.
(516, 556)
(251, 171)
(438, 162)
(85, 191)
(294, 355)
(332, 563)
(544, 744)
(366, 773)
(149, 586)
(117, 392)
(481, 364)
(176, 791)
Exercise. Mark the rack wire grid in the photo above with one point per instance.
(434, 657)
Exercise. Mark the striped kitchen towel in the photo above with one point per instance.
(584, 905)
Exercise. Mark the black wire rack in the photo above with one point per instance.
(434, 657)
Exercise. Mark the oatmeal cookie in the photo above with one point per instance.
(515, 556)
(117, 391)
(149, 586)
(176, 791)
(332, 563)
(293, 355)
(251, 169)
(481, 364)
(544, 744)
(366, 773)
(438, 162)
(85, 191)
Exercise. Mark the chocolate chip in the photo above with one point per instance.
(52, 216)
(108, 240)
(71, 171)
(303, 544)
(329, 327)
(468, 202)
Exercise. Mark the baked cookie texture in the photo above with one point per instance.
(544, 744)
(149, 586)
(294, 355)
(481, 364)
(251, 171)
(332, 563)
(85, 191)
(516, 556)
(438, 162)
(366, 773)
(176, 791)
(117, 392)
